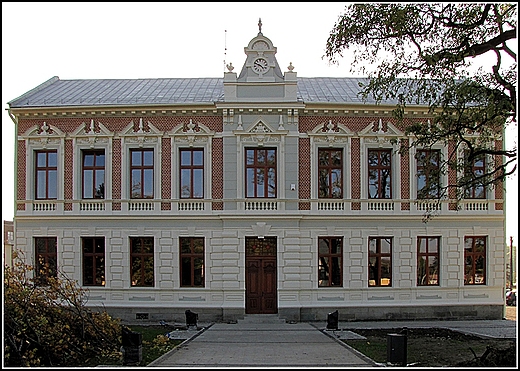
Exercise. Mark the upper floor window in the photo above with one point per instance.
(141, 261)
(475, 169)
(261, 172)
(46, 175)
(93, 168)
(380, 261)
(46, 258)
(330, 178)
(192, 261)
(141, 173)
(428, 174)
(192, 173)
(474, 260)
(428, 261)
(93, 261)
(379, 173)
(330, 252)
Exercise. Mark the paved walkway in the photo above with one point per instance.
(251, 343)
(262, 345)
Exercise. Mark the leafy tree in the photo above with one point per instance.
(50, 325)
(425, 53)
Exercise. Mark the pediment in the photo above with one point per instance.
(43, 130)
(191, 127)
(376, 128)
(140, 128)
(91, 128)
(331, 128)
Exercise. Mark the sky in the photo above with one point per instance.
(82, 40)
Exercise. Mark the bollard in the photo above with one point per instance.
(332, 320)
(191, 318)
(132, 348)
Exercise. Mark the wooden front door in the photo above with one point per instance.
(261, 295)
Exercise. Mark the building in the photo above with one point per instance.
(259, 192)
(8, 243)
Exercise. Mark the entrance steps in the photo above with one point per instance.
(262, 318)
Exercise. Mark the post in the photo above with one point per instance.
(511, 262)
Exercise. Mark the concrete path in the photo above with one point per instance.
(262, 345)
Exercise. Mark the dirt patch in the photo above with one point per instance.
(437, 347)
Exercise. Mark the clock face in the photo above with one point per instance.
(260, 65)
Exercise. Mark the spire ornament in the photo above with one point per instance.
(259, 26)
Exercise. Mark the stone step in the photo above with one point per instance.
(261, 318)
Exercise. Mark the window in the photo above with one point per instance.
(46, 258)
(428, 261)
(93, 261)
(192, 173)
(475, 169)
(330, 252)
(261, 172)
(330, 179)
(428, 174)
(46, 175)
(474, 260)
(379, 173)
(141, 261)
(93, 174)
(192, 261)
(380, 261)
(141, 170)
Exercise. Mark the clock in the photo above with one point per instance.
(260, 65)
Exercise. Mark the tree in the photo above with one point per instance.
(425, 53)
(47, 323)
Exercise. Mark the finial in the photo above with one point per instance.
(291, 67)
(259, 25)
(230, 67)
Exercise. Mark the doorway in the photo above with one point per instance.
(261, 291)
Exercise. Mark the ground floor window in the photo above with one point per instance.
(93, 261)
(380, 261)
(46, 258)
(192, 261)
(428, 261)
(330, 252)
(141, 261)
(475, 260)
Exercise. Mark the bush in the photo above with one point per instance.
(47, 322)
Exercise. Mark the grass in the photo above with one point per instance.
(438, 348)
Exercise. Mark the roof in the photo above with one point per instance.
(160, 91)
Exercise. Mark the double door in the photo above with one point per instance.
(261, 292)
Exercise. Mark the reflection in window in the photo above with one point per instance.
(192, 261)
(141, 261)
(192, 173)
(46, 175)
(46, 258)
(330, 179)
(474, 260)
(379, 173)
(93, 261)
(260, 172)
(330, 252)
(380, 261)
(141, 173)
(428, 261)
(428, 174)
(93, 174)
(475, 169)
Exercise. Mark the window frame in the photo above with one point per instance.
(426, 172)
(330, 169)
(94, 255)
(44, 258)
(470, 191)
(332, 279)
(94, 168)
(266, 169)
(380, 168)
(47, 169)
(191, 169)
(145, 256)
(472, 279)
(193, 256)
(427, 254)
(142, 169)
(377, 268)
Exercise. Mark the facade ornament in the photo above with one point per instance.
(230, 67)
(239, 127)
(290, 67)
(280, 124)
(45, 129)
(380, 127)
(259, 26)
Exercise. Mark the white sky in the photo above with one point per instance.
(81, 40)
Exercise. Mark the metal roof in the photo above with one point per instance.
(113, 92)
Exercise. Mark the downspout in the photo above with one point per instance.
(15, 171)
